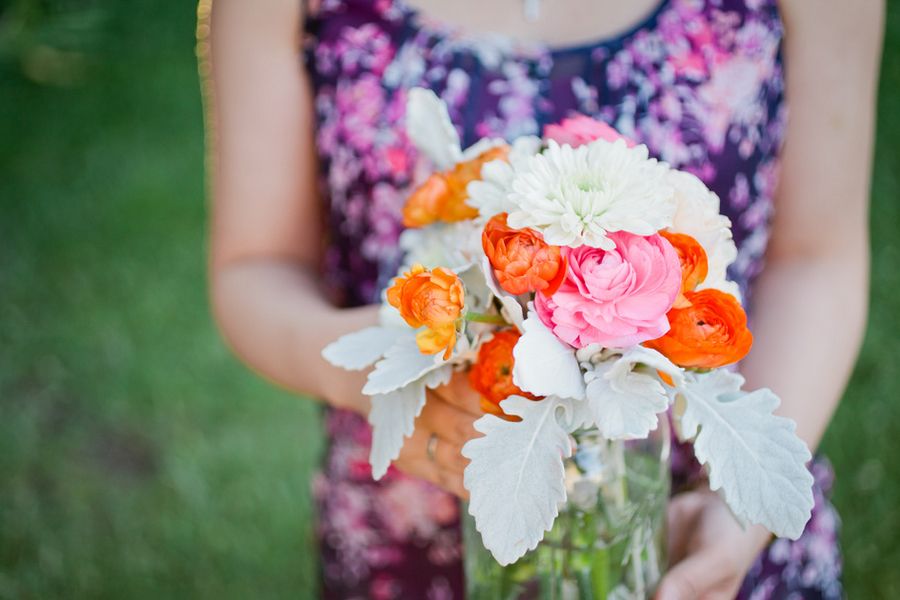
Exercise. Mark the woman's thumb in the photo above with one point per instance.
(690, 579)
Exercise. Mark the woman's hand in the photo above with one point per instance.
(709, 551)
(433, 453)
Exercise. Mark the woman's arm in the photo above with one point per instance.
(810, 302)
(811, 299)
(265, 233)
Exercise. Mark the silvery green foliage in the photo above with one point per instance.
(753, 456)
(360, 349)
(393, 416)
(402, 364)
(515, 476)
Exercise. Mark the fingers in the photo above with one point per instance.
(460, 394)
(449, 413)
(449, 456)
(453, 483)
(444, 470)
(700, 575)
(683, 511)
(449, 422)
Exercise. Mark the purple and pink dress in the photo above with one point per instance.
(700, 82)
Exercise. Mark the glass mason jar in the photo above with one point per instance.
(609, 538)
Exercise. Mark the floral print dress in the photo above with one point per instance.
(700, 82)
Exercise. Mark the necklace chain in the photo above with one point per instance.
(532, 9)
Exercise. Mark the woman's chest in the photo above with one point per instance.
(699, 82)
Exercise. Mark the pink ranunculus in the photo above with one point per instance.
(616, 298)
(578, 130)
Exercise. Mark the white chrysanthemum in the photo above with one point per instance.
(697, 215)
(490, 194)
(576, 196)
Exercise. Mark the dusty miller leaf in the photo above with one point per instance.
(753, 456)
(515, 477)
(402, 364)
(360, 349)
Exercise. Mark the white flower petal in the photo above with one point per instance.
(515, 477)
(624, 403)
(697, 215)
(640, 355)
(360, 349)
(545, 366)
(753, 456)
(490, 194)
(723, 285)
(402, 364)
(511, 307)
(429, 127)
(523, 148)
(392, 417)
(576, 196)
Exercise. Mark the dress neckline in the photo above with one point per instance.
(433, 27)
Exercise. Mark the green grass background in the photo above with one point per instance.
(138, 458)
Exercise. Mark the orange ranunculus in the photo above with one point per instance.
(491, 375)
(443, 195)
(433, 299)
(521, 259)
(423, 206)
(710, 332)
(694, 265)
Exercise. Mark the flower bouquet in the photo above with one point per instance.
(583, 286)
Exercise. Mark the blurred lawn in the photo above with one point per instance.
(138, 459)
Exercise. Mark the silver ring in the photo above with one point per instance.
(431, 447)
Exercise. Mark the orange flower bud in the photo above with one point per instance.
(423, 206)
(433, 299)
(694, 265)
(443, 195)
(710, 332)
(491, 375)
(521, 259)
(432, 340)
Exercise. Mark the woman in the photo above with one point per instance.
(705, 84)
